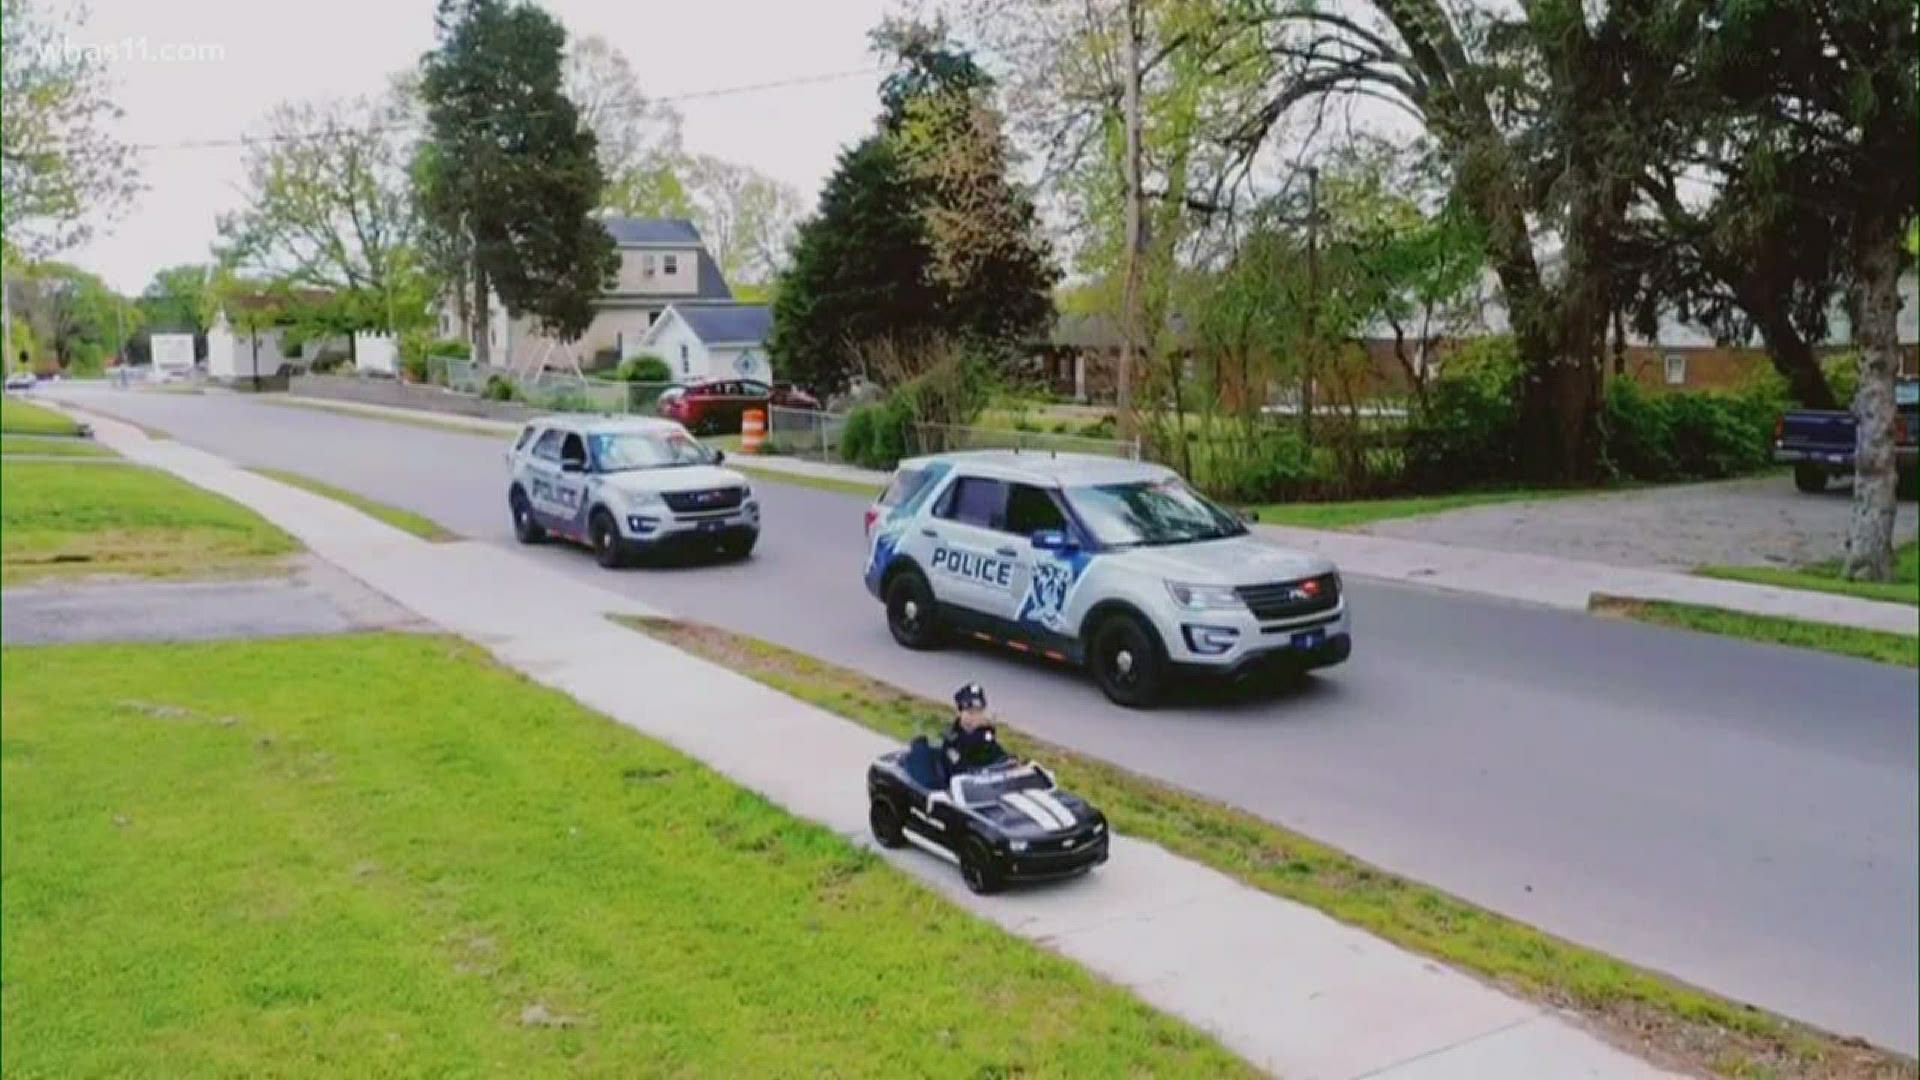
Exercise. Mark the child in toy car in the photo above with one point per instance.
(999, 818)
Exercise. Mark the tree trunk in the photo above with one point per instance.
(1876, 333)
(1136, 227)
(482, 320)
(1793, 358)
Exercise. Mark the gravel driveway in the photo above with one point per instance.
(1757, 521)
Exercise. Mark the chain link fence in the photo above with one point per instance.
(552, 391)
(804, 433)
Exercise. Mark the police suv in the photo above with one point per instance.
(1116, 565)
(626, 486)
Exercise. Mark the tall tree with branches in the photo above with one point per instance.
(509, 167)
(61, 168)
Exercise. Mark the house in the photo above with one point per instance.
(713, 341)
(263, 347)
(663, 263)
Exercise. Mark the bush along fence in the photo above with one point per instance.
(550, 391)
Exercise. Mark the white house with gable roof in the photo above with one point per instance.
(714, 341)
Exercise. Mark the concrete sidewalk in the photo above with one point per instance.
(1532, 579)
(1289, 989)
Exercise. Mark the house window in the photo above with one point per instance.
(1676, 369)
(652, 317)
(646, 264)
(670, 263)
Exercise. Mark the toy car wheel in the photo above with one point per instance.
(1810, 478)
(977, 870)
(911, 616)
(525, 529)
(884, 820)
(1126, 662)
(604, 535)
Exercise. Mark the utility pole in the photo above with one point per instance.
(1313, 302)
(1136, 224)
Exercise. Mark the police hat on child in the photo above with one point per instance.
(970, 696)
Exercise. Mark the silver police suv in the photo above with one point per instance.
(626, 487)
(1115, 565)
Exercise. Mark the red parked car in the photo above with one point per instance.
(715, 408)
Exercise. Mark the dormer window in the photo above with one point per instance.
(670, 264)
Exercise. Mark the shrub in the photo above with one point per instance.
(644, 369)
(500, 389)
(452, 349)
(1701, 435)
(1467, 432)
(878, 436)
(1843, 376)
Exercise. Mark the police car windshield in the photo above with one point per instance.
(632, 450)
(1150, 512)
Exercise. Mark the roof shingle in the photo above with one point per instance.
(729, 323)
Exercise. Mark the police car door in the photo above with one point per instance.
(543, 476)
(570, 490)
(1037, 605)
(971, 565)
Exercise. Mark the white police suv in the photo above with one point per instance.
(1116, 565)
(626, 486)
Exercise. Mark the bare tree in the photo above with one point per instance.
(634, 131)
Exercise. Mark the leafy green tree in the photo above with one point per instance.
(329, 205)
(858, 272)
(509, 166)
(61, 169)
(76, 319)
(921, 233)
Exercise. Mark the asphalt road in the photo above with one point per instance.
(1742, 816)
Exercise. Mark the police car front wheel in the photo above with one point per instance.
(525, 528)
(604, 534)
(911, 616)
(1127, 662)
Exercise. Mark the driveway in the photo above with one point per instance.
(1758, 521)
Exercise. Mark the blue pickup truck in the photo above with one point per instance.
(1819, 443)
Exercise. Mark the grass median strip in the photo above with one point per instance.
(59, 518)
(51, 446)
(1877, 645)
(393, 857)
(824, 483)
(476, 426)
(1826, 577)
(1640, 1010)
(20, 418)
(405, 520)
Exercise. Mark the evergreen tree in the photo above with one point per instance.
(510, 169)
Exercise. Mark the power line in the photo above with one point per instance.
(242, 141)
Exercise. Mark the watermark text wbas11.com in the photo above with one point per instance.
(134, 48)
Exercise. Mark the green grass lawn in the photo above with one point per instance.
(1825, 577)
(382, 855)
(1633, 1006)
(47, 447)
(1879, 645)
(1348, 515)
(59, 518)
(404, 520)
(20, 418)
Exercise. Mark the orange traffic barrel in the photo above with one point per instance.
(753, 431)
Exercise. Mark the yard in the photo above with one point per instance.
(384, 855)
(19, 418)
(103, 518)
(1824, 576)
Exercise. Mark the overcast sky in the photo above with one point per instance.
(274, 51)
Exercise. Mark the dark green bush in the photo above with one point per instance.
(500, 389)
(877, 436)
(1702, 435)
(1466, 434)
(645, 369)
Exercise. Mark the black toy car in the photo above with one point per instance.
(1005, 823)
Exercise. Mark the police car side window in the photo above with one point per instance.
(574, 448)
(548, 448)
(977, 502)
(1031, 509)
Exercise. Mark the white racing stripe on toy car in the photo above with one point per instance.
(1046, 799)
(1040, 814)
(925, 844)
